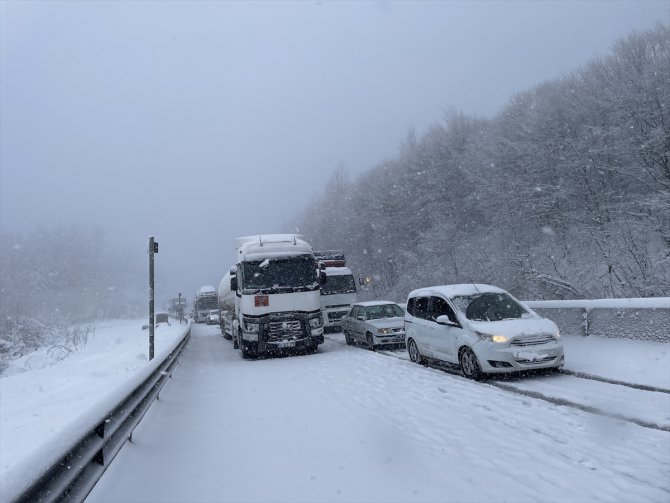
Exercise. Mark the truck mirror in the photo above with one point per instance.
(233, 284)
(322, 277)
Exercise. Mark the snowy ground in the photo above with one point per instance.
(347, 424)
(45, 403)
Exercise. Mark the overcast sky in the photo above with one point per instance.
(201, 121)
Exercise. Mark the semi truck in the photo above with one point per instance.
(226, 298)
(277, 295)
(205, 301)
(338, 293)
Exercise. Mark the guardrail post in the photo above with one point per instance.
(586, 320)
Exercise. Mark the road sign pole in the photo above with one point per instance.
(151, 298)
(180, 310)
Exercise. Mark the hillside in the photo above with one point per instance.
(564, 194)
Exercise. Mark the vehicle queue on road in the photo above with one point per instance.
(481, 329)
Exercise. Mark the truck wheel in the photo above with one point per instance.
(248, 353)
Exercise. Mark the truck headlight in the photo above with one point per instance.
(492, 338)
(251, 327)
(315, 322)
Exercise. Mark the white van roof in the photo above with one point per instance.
(455, 290)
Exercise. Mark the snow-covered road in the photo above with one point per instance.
(351, 425)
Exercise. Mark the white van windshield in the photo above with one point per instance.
(489, 306)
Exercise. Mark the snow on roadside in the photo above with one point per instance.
(44, 410)
(637, 362)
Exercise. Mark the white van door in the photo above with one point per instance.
(444, 337)
(420, 329)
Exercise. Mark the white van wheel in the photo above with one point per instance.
(470, 364)
(413, 351)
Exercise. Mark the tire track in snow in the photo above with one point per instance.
(551, 399)
(644, 387)
(586, 408)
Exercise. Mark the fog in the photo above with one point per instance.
(200, 122)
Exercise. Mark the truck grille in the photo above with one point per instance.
(532, 340)
(285, 330)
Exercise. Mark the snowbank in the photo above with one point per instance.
(46, 407)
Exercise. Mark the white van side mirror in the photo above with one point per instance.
(444, 320)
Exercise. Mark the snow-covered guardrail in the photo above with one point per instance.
(80, 466)
(641, 319)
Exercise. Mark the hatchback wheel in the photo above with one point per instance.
(469, 364)
(371, 341)
(347, 338)
(413, 351)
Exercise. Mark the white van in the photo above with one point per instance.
(482, 328)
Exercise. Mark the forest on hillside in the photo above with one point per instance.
(564, 194)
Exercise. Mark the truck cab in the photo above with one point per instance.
(277, 295)
(338, 294)
(205, 301)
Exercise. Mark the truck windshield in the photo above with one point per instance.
(278, 275)
(339, 284)
(207, 304)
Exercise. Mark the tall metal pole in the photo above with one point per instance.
(180, 310)
(151, 298)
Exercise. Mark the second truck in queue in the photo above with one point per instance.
(277, 295)
(205, 301)
(338, 294)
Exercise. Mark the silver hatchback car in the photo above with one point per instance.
(377, 323)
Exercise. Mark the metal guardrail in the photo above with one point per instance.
(640, 319)
(75, 473)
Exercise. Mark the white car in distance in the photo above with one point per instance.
(481, 328)
(213, 317)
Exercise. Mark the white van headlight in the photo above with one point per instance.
(315, 322)
(491, 337)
